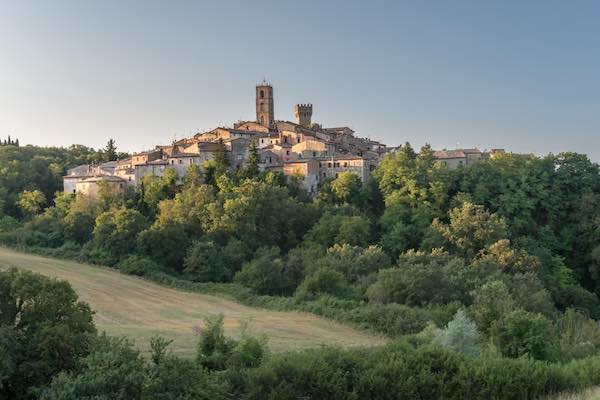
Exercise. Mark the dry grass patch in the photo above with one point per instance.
(131, 306)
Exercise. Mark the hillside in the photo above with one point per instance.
(138, 309)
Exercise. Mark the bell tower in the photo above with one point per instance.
(265, 109)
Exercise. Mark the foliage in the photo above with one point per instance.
(138, 265)
(324, 281)
(265, 274)
(43, 330)
(521, 333)
(110, 151)
(491, 302)
(460, 334)
(113, 370)
(31, 202)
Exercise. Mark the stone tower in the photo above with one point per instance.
(265, 109)
(303, 114)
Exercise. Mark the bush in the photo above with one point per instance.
(460, 334)
(138, 265)
(265, 274)
(521, 333)
(392, 319)
(323, 281)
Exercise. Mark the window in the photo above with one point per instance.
(345, 164)
(285, 139)
(262, 94)
(314, 153)
(262, 140)
(329, 164)
(324, 175)
(287, 152)
(180, 161)
(172, 161)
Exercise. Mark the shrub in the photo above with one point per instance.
(138, 265)
(323, 281)
(265, 274)
(521, 333)
(460, 334)
(491, 302)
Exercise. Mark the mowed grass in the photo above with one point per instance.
(133, 307)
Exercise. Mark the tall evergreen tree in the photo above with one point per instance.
(252, 169)
(221, 157)
(111, 150)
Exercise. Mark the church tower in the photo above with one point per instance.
(265, 110)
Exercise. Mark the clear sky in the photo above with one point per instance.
(521, 75)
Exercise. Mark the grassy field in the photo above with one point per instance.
(130, 306)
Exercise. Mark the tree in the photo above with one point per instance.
(324, 281)
(422, 279)
(221, 157)
(115, 234)
(193, 176)
(460, 334)
(260, 214)
(111, 150)
(114, 370)
(252, 170)
(355, 263)
(156, 189)
(44, 330)
(196, 209)
(491, 302)
(214, 348)
(471, 229)
(206, 262)
(503, 257)
(31, 202)
(521, 333)
(341, 229)
(265, 274)
(347, 188)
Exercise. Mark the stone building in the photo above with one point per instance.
(92, 186)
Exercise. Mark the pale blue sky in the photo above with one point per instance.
(522, 75)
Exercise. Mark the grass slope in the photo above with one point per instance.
(133, 307)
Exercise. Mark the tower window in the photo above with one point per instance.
(262, 94)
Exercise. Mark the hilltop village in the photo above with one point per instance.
(300, 148)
